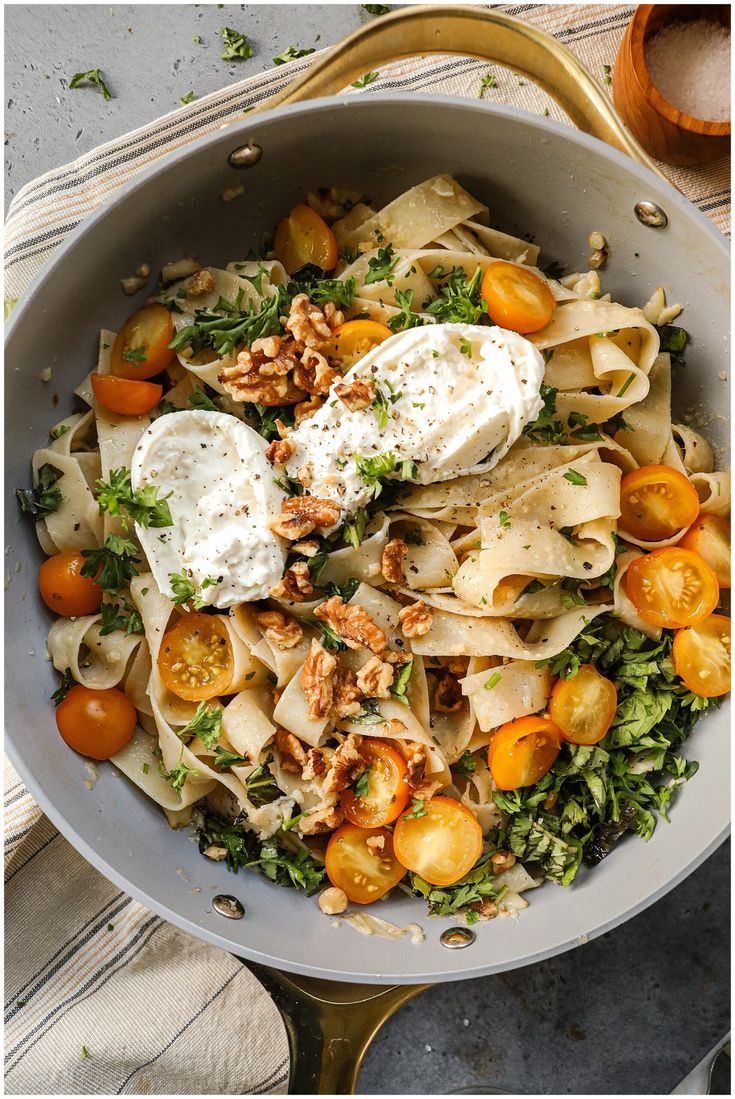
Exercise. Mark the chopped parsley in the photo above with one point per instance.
(466, 765)
(225, 333)
(236, 45)
(504, 520)
(185, 591)
(373, 470)
(489, 81)
(206, 724)
(361, 785)
(399, 686)
(113, 565)
(363, 81)
(575, 478)
(477, 885)
(458, 300)
(135, 354)
(117, 497)
(292, 53)
(261, 786)
(298, 869)
(369, 714)
(67, 682)
(353, 529)
(385, 396)
(417, 809)
(186, 99)
(381, 266)
(45, 498)
(200, 401)
(225, 758)
(376, 9)
(674, 340)
(178, 775)
(57, 432)
(545, 428)
(465, 347)
(93, 76)
(406, 318)
(116, 616)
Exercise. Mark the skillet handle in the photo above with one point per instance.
(330, 1026)
(471, 32)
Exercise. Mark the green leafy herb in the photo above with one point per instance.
(261, 786)
(381, 266)
(330, 640)
(674, 340)
(466, 765)
(458, 300)
(345, 591)
(413, 537)
(452, 900)
(44, 498)
(117, 497)
(135, 355)
(417, 809)
(489, 81)
(363, 81)
(267, 416)
(492, 681)
(607, 74)
(178, 775)
(405, 319)
(298, 869)
(125, 617)
(57, 432)
(361, 785)
(373, 470)
(113, 565)
(399, 685)
(292, 53)
(369, 714)
(67, 682)
(201, 401)
(546, 428)
(575, 478)
(624, 387)
(385, 396)
(353, 529)
(237, 47)
(94, 76)
(225, 758)
(225, 333)
(504, 520)
(465, 347)
(206, 724)
(185, 590)
(376, 9)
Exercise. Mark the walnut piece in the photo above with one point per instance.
(294, 584)
(314, 374)
(448, 698)
(282, 631)
(325, 819)
(301, 514)
(416, 619)
(375, 844)
(256, 379)
(316, 765)
(502, 860)
(291, 751)
(356, 394)
(374, 678)
(347, 694)
(199, 284)
(352, 624)
(415, 764)
(391, 563)
(317, 680)
(279, 451)
(486, 909)
(332, 901)
(307, 549)
(311, 324)
(347, 763)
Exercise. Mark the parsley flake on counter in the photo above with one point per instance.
(236, 45)
(94, 76)
(292, 53)
(368, 78)
(186, 99)
(376, 9)
(489, 81)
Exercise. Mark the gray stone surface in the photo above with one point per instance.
(631, 1012)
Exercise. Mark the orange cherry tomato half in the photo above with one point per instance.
(353, 339)
(672, 587)
(304, 237)
(702, 656)
(442, 845)
(361, 862)
(141, 346)
(96, 723)
(710, 538)
(385, 781)
(657, 502)
(64, 589)
(522, 751)
(196, 659)
(516, 298)
(125, 396)
(583, 706)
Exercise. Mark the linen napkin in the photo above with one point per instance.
(101, 995)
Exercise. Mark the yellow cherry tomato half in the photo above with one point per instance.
(710, 538)
(702, 656)
(656, 502)
(672, 587)
(583, 706)
(441, 845)
(516, 298)
(522, 751)
(386, 789)
(196, 659)
(304, 237)
(355, 338)
(141, 346)
(96, 723)
(124, 396)
(361, 862)
(64, 589)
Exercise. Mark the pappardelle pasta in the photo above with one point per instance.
(380, 559)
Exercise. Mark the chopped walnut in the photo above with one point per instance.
(311, 324)
(416, 619)
(316, 765)
(375, 844)
(317, 680)
(294, 584)
(301, 514)
(457, 665)
(502, 860)
(352, 624)
(199, 284)
(485, 908)
(307, 549)
(347, 764)
(279, 451)
(256, 379)
(416, 765)
(356, 394)
(282, 631)
(391, 564)
(347, 694)
(448, 697)
(217, 854)
(374, 678)
(314, 374)
(291, 751)
(332, 901)
(306, 409)
(325, 819)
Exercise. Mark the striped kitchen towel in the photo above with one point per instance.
(102, 996)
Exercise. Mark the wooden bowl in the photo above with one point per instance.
(662, 129)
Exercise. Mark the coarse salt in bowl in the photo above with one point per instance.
(689, 63)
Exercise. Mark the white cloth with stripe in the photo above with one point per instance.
(87, 968)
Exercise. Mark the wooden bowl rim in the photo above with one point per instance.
(638, 26)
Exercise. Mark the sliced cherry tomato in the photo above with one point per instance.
(516, 298)
(710, 538)
(64, 589)
(125, 396)
(304, 237)
(353, 339)
(657, 502)
(583, 707)
(442, 845)
(702, 656)
(672, 587)
(96, 723)
(361, 862)
(385, 783)
(196, 659)
(141, 346)
(522, 751)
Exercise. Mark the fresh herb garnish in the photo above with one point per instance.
(376, 9)
(261, 786)
(405, 318)
(399, 686)
(94, 76)
(224, 334)
(236, 45)
(488, 81)
(125, 617)
(200, 401)
(298, 869)
(575, 478)
(185, 591)
(186, 99)
(44, 498)
(381, 266)
(143, 505)
(292, 53)
(135, 354)
(417, 809)
(113, 565)
(225, 758)
(492, 681)
(58, 432)
(373, 470)
(178, 775)
(67, 682)
(466, 765)
(545, 428)
(385, 396)
(674, 340)
(353, 529)
(477, 885)
(363, 81)
(369, 714)
(458, 300)
(206, 724)
(361, 785)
